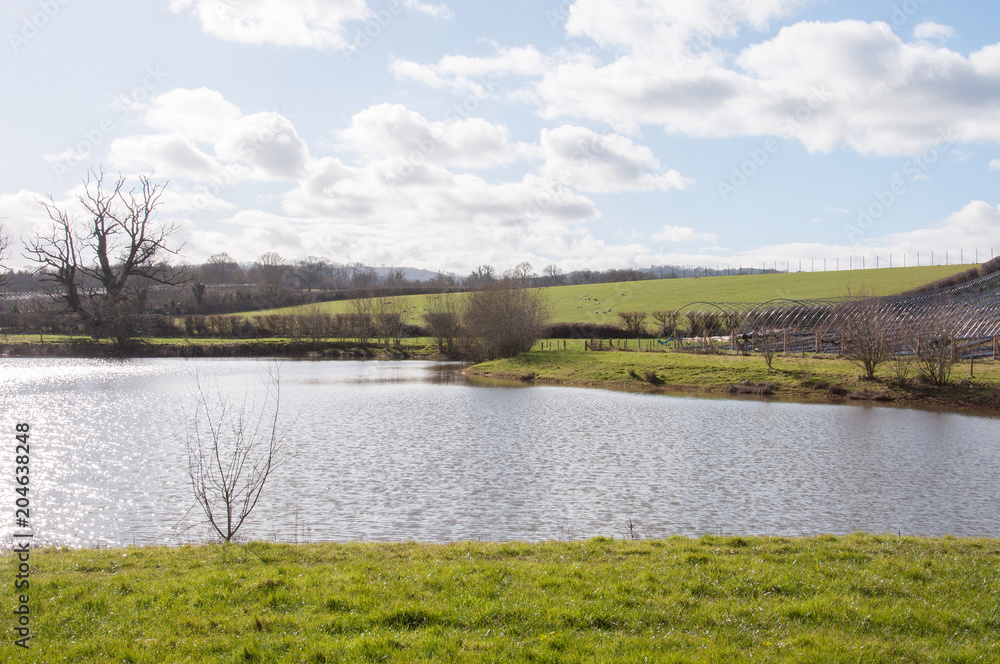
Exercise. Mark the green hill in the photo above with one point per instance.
(600, 303)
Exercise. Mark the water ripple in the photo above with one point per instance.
(411, 451)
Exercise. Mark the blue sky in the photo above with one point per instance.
(581, 133)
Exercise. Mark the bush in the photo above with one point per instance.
(633, 322)
(863, 337)
(502, 320)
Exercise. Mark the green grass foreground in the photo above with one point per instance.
(809, 377)
(859, 598)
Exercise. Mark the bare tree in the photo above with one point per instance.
(900, 363)
(360, 313)
(634, 322)
(863, 336)
(503, 319)
(312, 272)
(666, 322)
(390, 321)
(363, 276)
(271, 268)
(523, 271)
(934, 345)
(233, 447)
(95, 266)
(443, 320)
(554, 275)
(221, 269)
(482, 276)
(767, 346)
(4, 246)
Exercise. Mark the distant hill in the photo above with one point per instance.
(410, 273)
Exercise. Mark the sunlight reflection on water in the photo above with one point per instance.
(412, 450)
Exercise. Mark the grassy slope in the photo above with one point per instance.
(569, 303)
(585, 303)
(794, 377)
(860, 598)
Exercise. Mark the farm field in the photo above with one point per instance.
(600, 303)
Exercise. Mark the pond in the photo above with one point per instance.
(414, 451)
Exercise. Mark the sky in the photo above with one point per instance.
(580, 133)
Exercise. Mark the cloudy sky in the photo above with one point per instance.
(448, 134)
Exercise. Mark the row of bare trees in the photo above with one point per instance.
(670, 323)
(870, 338)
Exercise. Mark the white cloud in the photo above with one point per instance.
(824, 84)
(440, 11)
(651, 25)
(268, 143)
(932, 30)
(237, 147)
(303, 23)
(391, 131)
(474, 74)
(976, 226)
(20, 215)
(169, 155)
(200, 198)
(202, 115)
(587, 161)
(995, 165)
(682, 234)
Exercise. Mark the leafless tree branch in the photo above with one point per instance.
(233, 446)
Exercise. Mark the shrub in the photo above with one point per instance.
(502, 320)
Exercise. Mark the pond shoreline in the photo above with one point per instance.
(824, 381)
(625, 371)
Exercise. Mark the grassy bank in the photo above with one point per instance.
(800, 377)
(860, 598)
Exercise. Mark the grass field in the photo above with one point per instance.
(859, 598)
(600, 303)
(800, 377)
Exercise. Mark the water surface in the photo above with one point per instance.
(413, 451)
